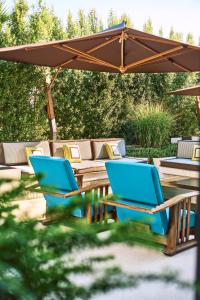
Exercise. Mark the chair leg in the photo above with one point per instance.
(170, 248)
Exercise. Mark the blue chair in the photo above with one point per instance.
(57, 173)
(141, 199)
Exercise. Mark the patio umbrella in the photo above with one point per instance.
(118, 49)
(190, 91)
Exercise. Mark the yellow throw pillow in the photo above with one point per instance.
(196, 152)
(113, 151)
(72, 153)
(33, 151)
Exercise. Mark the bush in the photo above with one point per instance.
(152, 125)
(150, 153)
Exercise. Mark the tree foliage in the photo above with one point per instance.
(40, 262)
(87, 104)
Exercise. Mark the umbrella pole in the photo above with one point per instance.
(197, 296)
(198, 109)
(49, 102)
(50, 112)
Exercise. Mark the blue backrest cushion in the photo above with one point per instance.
(135, 181)
(138, 184)
(57, 172)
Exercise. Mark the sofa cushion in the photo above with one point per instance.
(113, 151)
(25, 169)
(9, 172)
(185, 149)
(99, 148)
(72, 153)
(15, 153)
(84, 146)
(181, 163)
(196, 152)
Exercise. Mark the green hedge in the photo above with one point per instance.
(150, 153)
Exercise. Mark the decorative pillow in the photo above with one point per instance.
(33, 151)
(72, 153)
(196, 152)
(113, 151)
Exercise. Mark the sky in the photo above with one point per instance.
(183, 15)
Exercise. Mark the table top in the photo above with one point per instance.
(170, 192)
(182, 182)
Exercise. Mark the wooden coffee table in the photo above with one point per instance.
(182, 182)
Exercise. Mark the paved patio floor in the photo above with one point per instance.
(138, 260)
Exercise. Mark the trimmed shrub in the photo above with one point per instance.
(150, 153)
(153, 125)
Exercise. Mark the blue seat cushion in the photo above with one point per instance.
(79, 212)
(155, 220)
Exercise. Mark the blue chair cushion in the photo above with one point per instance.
(155, 221)
(138, 184)
(58, 174)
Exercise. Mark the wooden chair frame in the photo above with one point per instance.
(180, 235)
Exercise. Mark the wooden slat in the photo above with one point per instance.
(183, 222)
(95, 195)
(88, 209)
(101, 204)
(178, 222)
(188, 219)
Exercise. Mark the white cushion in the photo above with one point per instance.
(15, 153)
(99, 149)
(84, 146)
(25, 169)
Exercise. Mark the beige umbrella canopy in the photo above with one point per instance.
(118, 49)
(190, 91)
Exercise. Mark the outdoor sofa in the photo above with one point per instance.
(181, 164)
(91, 170)
(93, 156)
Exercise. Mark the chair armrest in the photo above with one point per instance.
(70, 194)
(169, 203)
(127, 206)
(173, 201)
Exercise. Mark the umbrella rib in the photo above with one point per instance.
(122, 41)
(153, 57)
(85, 55)
(173, 62)
(89, 51)
(155, 51)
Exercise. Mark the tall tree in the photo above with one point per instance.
(19, 20)
(174, 35)
(71, 31)
(190, 38)
(92, 21)
(126, 18)
(148, 26)
(112, 19)
(160, 32)
(81, 24)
